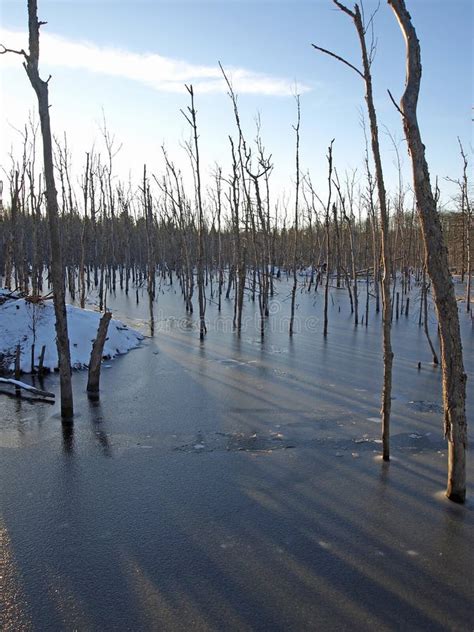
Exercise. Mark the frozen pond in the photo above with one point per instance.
(236, 485)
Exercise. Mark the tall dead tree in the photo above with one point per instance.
(57, 271)
(349, 219)
(220, 269)
(436, 258)
(366, 75)
(467, 214)
(424, 299)
(194, 154)
(238, 165)
(85, 190)
(328, 242)
(149, 226)
(296, 228)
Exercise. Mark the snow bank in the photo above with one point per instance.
(22, 323)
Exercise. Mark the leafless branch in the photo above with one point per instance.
(344, 61)
(4, 50)
(395, 104)
(342, 7)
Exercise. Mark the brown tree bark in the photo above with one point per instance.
(436, 257)
(194, 152)
(57, 272)
(328, 253)
(296, 228)
(97, 353)
(366, 75)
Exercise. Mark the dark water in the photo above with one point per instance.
(236, 485)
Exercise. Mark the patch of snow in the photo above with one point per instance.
(24, 323)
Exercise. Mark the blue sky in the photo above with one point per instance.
(131, 59)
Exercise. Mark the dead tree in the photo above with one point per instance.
(148, 211)
(97, 354)
(220, 269)
(57, 271)
(85, 189)
(328, 253)
(366, 75)
(373, 221)
(424, 298)
(353, 296)
(296, 228)
(466, 215)
(194, 154)
(239, 158)
(436, 258)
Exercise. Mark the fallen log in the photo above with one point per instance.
(27, 387)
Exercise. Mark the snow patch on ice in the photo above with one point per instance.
(24, 323)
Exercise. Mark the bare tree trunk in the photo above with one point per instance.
(295, 243)
(200, 262)
(386, 303)
(436, 257)
(327, 215)
(466, 206)
(469, 264)
(82, 281)
(57, 272)
(425, 318)
(97, 353)
(353, 296)
(354, 269)
(220, 270)
(148, 211)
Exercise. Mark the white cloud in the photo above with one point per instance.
(160, 73)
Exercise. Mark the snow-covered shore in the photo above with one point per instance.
(24, 323)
